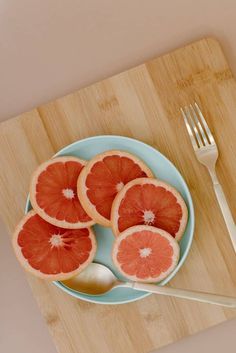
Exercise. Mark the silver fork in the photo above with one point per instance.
(206, 152)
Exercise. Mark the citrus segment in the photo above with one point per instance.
(53, 193)
(150, 202)
(50, 252)
(103, 177)
(145, 253)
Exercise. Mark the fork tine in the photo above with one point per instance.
(194, 127)
(192, 138)
(202, 133)
(208, 132)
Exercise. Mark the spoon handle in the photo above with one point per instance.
(187, 294)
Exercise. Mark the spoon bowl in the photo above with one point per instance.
(96, 279)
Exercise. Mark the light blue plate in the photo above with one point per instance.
(164, 170)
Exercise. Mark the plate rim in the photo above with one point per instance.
(77, 295)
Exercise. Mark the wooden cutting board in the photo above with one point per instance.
(142, 103)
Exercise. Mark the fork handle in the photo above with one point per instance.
(229, 221)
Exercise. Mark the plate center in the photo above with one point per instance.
(105, 239)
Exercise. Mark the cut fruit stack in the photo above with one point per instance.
(115, 189)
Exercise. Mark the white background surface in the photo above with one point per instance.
(50, 48)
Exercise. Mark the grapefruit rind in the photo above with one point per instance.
(155, 182)
(50, 277)
(82, 188)
(129, 231)
(39, 210)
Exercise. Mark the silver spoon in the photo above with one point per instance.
(97, 279)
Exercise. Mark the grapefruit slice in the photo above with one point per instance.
(53, 193)
(103, 177)
(145, 253)
(151, 202)
(50, 252)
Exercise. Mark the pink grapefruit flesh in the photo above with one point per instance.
(103, 177)
(150, 202)
(50, 252)
(145, 253)
(53, 193)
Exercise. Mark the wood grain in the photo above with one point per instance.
(142, 103)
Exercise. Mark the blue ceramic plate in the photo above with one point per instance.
(164, 170)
